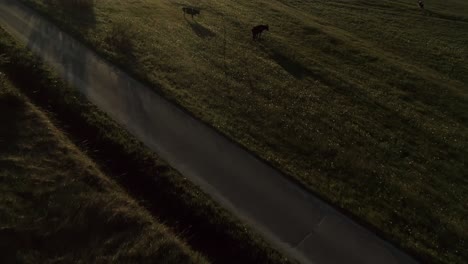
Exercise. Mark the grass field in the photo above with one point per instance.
(363, 102)
(57, 206)
(166, 194)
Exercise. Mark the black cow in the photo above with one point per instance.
(191, 11)
(257, 31)
(421, 4)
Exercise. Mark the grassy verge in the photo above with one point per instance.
(56, 205)
(363, 102)
(170, 197)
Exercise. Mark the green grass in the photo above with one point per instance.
(169, 197)
(363, 102)
(57, 206)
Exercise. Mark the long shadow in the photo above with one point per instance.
(442, 15)
(79, 12)
(293, 67)
(200, 30)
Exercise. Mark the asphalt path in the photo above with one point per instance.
(287, 215)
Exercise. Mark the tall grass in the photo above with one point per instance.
(56, 204)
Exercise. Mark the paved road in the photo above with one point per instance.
(287, 215)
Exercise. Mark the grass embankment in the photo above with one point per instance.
(57, 206)
(364, 102)
(169, 196)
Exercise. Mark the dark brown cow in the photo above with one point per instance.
(257, 31)
(191, 11)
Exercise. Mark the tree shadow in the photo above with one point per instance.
(80, 12)
(67, 56)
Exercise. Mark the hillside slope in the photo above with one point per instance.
(363, 102)
(57, 206)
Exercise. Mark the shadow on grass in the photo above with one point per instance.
(80, 12)
(441, 15)
(200, 30)
(292, 66)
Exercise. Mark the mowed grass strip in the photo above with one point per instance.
(57, 206)
(169, 196)
(363, 102)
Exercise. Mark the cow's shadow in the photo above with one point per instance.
(293, 67)
(200, 30)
